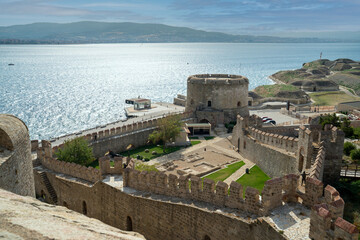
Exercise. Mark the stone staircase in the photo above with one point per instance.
(49, 187)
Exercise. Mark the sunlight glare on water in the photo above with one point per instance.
(59, 89)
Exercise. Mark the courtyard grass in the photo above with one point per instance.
(141, 151)
(331, 98)
(224, 173)
(256, 179)
(195, 142)
(209, 137)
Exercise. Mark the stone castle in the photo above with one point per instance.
(162, 206)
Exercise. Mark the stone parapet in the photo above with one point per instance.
(317, 169)
(44, 155)
(289, 144)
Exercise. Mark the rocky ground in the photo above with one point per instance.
(28, 218)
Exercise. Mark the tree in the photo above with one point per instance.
(355, 154)
(348, 147)
(76, 151)
(330, 119)
(345, 126)
(168, 129)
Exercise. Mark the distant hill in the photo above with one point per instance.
(103, 32)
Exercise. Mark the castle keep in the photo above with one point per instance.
(217, 98)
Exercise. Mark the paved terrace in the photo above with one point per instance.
(159, 110)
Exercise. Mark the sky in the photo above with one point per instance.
(257, 17)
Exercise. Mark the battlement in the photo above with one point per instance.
(90, 174)
(317, 169)
(284, 142)
(277, 191)
(72, 169)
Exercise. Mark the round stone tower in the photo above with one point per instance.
(16, 170)
(217, 98)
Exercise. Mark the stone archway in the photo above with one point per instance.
(206, 237)
(204, 120)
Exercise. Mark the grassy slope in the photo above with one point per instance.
(272, 90)
(331, 98)
(224, 173)
(255, 179)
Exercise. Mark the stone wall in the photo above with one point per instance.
(118, 139)
(274, 161)
(219, 194)
(16, 173)
(75, 170)
(155, 217)
(290, 131)
(284, 142)
(317, 170)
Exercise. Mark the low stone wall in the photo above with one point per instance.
(87, 173)
(284, 142)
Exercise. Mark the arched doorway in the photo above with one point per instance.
(129, 226)
(204, 121)
(84, 208)
(206, 237)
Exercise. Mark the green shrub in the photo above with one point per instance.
(355, 154)
(76, 151)
(348, 147)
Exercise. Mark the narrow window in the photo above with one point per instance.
(239, 104)
(129, 226)
(84, 208)
(209, 103)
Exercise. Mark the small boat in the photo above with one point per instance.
(11, 64)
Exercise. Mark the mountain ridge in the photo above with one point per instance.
(128, 32)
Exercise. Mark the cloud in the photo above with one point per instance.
(50, 8)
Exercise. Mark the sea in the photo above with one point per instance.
(60, 89)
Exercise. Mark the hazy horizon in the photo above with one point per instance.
(258, 17)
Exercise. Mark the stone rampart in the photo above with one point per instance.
(87, 173)
(280, 141)
(290, 131)
(274, 193)
(155, 218)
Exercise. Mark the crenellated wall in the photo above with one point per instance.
(75, 170)
(280, 141)
(317, 169)
(118, 139)
(160, 217)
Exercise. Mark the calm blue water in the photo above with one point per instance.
(58, 89)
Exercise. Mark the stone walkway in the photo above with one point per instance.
(241, 171)
(293, 219)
